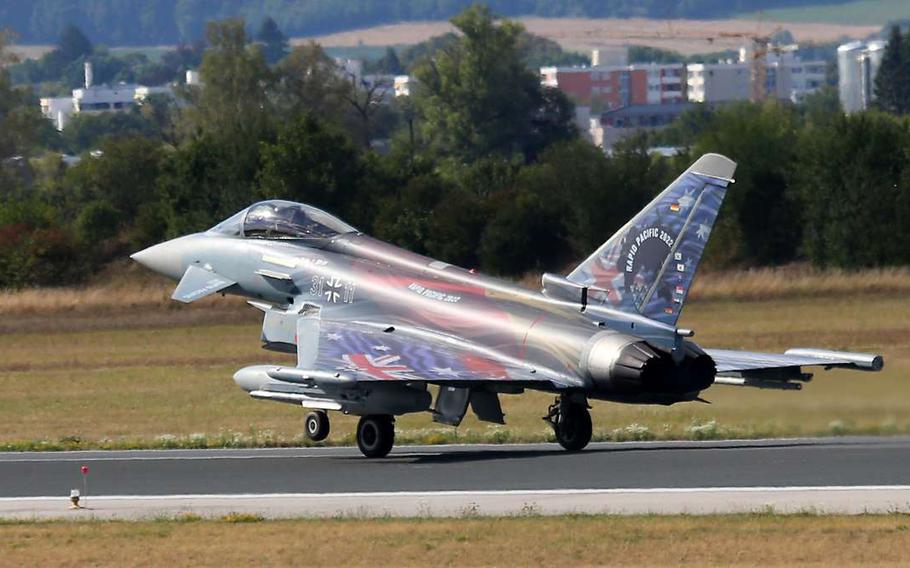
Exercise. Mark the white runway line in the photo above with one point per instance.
(706, 500)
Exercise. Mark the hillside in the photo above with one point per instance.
(155, 22)
(578, 34)
(855, 12)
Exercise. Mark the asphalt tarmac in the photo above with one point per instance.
(848, 474)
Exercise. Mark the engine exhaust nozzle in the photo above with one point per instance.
(624, 364)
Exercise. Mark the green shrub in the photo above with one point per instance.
(97, 222)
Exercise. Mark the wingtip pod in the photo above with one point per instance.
(862, 361)
(714, 165)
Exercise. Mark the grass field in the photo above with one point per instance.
(856, 12)
(81, 373)
(583, 34)
(741, 540)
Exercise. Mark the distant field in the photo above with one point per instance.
(578, 34)
(857, 12)
(76, 372)
(736, 540)
(153, 52)
(822, 24)
(31, 51)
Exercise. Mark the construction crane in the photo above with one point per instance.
(762, 44)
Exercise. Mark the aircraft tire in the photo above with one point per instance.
(316, 425)
(573, 427)
(376, 435)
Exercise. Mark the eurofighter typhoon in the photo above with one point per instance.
(373, 325)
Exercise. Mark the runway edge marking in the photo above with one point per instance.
(379, 494)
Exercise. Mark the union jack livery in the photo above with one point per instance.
(379, 331)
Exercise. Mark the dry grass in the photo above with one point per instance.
(123, 289)
(740, 540)
(799, 281)
(121, 380)
(793, 281)
(582, 34)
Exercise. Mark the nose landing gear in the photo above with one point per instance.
(571, 423)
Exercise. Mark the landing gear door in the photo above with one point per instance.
(451, 405)
(308, 324)
(486, 407)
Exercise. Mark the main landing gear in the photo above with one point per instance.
(376, 435)
(571, 423)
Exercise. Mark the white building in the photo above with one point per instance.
(666, 83)
(787, 77)
(403, 85)
(58, 110)
(192, 78)
(716, 82)
(95, 99)
(610, 56)
(857, 65)
(351, 69)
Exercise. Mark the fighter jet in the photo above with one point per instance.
(377, 329)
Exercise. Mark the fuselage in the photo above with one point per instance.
(355, 277)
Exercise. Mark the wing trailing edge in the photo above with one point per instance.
(785, 370)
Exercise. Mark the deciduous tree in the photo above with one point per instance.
(311, 164)
(478, 98)
(308, 81)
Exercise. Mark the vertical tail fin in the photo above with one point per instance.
(649, 264)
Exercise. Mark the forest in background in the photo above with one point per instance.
(481, 166)
(157, 22)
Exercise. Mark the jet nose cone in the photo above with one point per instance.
(164, 258)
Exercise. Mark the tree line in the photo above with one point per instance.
(481, 166)
(60, 70)
(155, 22)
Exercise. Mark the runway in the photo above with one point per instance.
(849, 475)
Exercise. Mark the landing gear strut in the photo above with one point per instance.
(376, 435)
(571, 423)
(316, 424)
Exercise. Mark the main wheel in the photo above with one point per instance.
(317, 426)
(573, 427)
(376, 435)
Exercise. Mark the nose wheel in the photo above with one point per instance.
(571, 423)
(316, 425)
(376, 435)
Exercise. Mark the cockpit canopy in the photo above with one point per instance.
(283, 220)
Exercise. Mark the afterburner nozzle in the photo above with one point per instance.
(623, 364)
